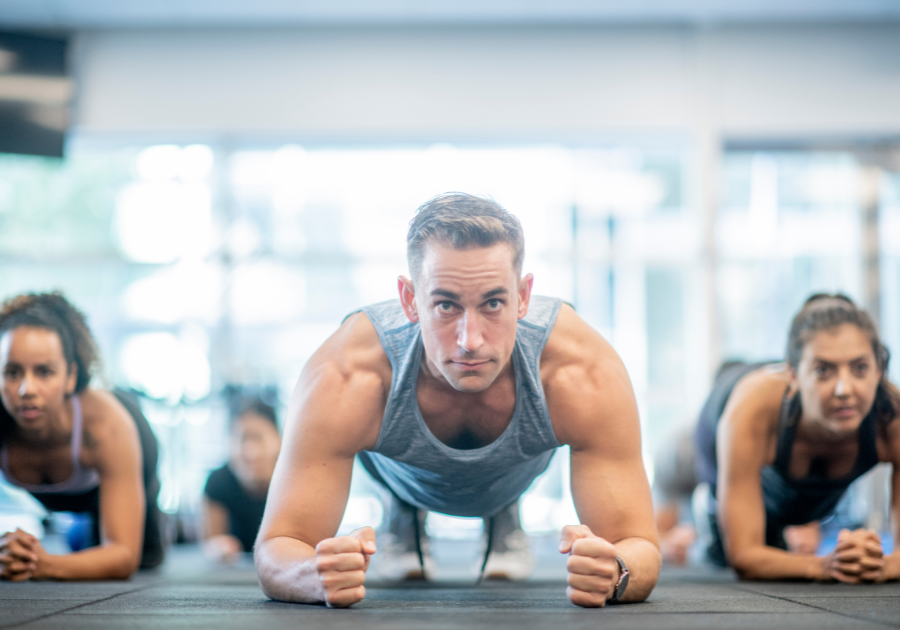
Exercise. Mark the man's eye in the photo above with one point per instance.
(445, 307)
(493, 305)
(822, 370)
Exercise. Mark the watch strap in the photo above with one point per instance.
(622, 583)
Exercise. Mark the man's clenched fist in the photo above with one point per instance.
(342, 563)
(593, 569)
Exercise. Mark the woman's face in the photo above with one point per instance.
(255, 443)
(34, 377)
(837, 378)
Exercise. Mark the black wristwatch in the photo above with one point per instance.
(622, 584)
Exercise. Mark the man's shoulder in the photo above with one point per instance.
(573, 346)
(343, 389)
(584, 378)
(354, 347)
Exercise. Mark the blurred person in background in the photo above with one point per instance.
(74, 448)
(674, 480)
(779, 446)
(235, 496)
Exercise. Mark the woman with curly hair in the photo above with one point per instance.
(75, 448)
(779, 445)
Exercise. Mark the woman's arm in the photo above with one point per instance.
(745, 443)
(218, 543)
(111, 444)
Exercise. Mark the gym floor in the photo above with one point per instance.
(188, 592)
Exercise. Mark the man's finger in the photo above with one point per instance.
(571, 533)
(585, 599)
(366, 536)
(345, 597)
(340, 562)
(587, 565)
(341, 544)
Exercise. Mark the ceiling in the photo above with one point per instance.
(76, 14)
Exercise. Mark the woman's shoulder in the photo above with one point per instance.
(105, 419)
(758, 397)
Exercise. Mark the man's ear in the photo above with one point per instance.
(525, 285)
(408, 298)
(72, 378)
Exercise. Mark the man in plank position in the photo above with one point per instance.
(454, 398)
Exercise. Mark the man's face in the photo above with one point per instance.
(467, 302)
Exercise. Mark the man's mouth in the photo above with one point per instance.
(470, 365)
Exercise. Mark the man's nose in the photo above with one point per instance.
(469, 337)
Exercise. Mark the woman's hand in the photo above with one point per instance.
(18, 556)
(224, 548)
(857, 558)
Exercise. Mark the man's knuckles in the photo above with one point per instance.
(338, 580)
(340, 562)
(589, 565)
(341, 544)
(590, 584)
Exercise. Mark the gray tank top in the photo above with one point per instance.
(425, 472)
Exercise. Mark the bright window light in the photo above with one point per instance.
(161, 222)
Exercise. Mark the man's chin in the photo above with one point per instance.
(471, 383)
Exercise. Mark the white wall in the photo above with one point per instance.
(562, 83)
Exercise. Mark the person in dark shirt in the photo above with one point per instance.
(235, 496)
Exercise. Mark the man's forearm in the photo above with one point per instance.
(643, 561)
(287, 571)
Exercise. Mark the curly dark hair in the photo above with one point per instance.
(52, 311)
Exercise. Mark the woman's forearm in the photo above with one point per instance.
(892, 565)
(106, 562)
(768, 563)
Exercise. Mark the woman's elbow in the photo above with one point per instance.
(744, 565)
(126, 566)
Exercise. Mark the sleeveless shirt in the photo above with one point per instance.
(788, 500)
(81, 480)
(423, 471)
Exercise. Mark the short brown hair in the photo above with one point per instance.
(463, 221)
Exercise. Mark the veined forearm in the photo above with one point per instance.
(643, 561)
(287, 571)
(106, 562)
